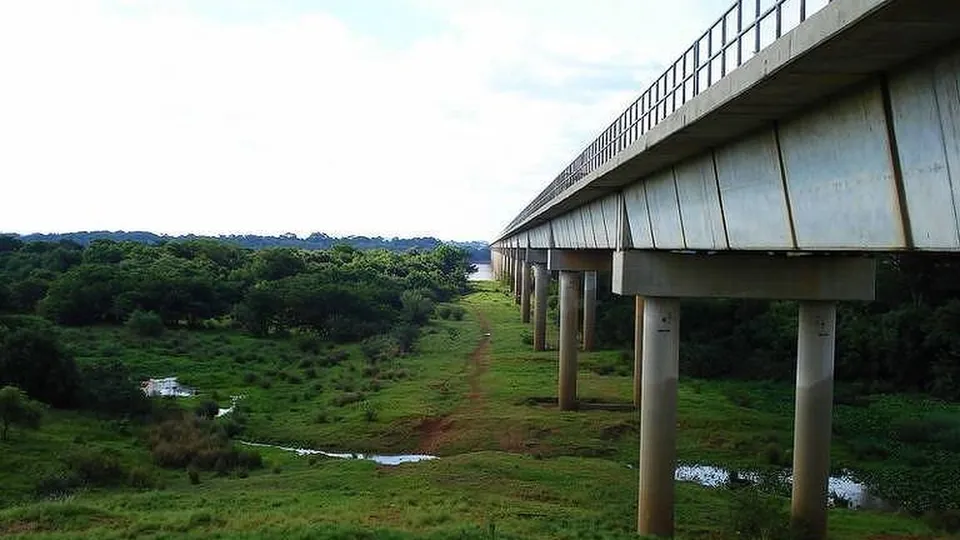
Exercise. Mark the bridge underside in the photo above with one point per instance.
(842, 147)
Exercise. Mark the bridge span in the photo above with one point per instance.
(792, 142)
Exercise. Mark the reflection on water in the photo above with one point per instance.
(484, 273)
(845, 487)
(382, 460)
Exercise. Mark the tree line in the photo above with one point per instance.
(479, 252)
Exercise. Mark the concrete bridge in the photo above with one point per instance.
(789, 144)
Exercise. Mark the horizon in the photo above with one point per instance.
(420, 117)
(235, 234)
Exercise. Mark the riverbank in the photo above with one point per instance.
(510, 464)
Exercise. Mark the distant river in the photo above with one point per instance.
(484, 273)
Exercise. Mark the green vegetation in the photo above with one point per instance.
(438, 374)
(905, 341)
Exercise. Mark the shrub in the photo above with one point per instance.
(370, 411)
(249, 377)
(207, 409)
(310, 373)
(526, 337)
(416, 307)
(57, 485)
(221, 467)
(443, 312)
(754, 515)
(195, 442)
(194, 475)
(379, 348)
(347, 398)
(457, 313)
(405, 336)
(141, 478)
(145, 324)
(772, 454)
(96, 468)
(309, 343)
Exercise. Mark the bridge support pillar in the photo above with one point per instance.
(517, 277)
(589, 309)
(638, 351)
(541, 279)
(658, 416)
(816, 341)
(525, 292)
(569, 300)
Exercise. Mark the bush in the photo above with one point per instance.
(347, 398)
(457, 313)
(405, 336)
(370, 411)
(754, 515)
(309, 343)
(416, 307)
(141, 478)
(249, 377)
(194, 475)
(145, 324)
(96, 468)
(526, 337)
(379, 348)
(198, 443)
(443, 312)
(207, 409)
(773, 454)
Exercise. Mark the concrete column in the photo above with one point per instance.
(517, 278)
(638, 351)
(589, 309)
(658, 416)
(814, 409)
(541, 280)
(525, 293)
(569, 300)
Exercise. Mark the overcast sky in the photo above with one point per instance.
(375, 117)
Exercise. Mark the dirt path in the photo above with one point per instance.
(433, 431)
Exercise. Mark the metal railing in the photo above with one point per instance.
(746, 28)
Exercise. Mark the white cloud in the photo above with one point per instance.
(164, 120)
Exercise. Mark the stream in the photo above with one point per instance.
(376, 458)
(841, 490)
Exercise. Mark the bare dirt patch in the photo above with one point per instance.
(435, 431)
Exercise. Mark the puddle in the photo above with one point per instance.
(382, 460)
(165, 387)
(845, 487)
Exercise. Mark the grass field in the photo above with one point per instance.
(511, 466)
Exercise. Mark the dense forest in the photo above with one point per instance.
(328, 296)
(907, 340)
(479, 252)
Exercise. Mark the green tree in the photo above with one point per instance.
(17, 409)
(32, 358)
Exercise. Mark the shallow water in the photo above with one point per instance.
(381, 459)
(484, 273)
(167, 386)
(845, 487)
